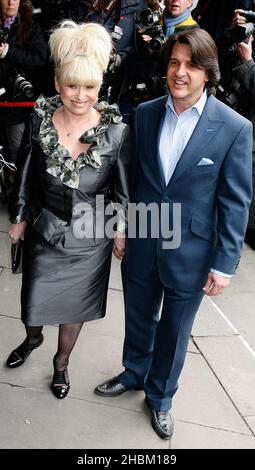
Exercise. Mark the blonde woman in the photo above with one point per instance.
(74, 163)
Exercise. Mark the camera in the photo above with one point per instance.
(3, 35)
(230, 90)
(138, 93)
(116, 35)
(234, 97)
(21, 86)
(110, 87)
(153, 87)
(150, 23)
(231, 97)
(241, 32)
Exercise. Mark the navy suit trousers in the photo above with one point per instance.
(156, 343)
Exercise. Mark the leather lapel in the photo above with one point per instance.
(200, 140)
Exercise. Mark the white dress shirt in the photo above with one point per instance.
(176, 132)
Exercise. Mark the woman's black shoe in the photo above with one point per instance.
(59, 386)
(20, 355)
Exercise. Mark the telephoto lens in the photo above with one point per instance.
(249, 15)
(23, 87)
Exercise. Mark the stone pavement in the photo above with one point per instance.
(213, 409)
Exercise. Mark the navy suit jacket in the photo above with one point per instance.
(214, 198)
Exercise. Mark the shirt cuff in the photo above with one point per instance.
(220, 273)
(121, 227)
(4, 53)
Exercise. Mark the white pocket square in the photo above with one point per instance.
(205, 161)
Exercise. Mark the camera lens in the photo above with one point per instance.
(240, 32)
(23, 86)
(156, 43)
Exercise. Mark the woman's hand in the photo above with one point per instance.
(119, 245)
(16, 231)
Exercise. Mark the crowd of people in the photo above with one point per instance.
(23, 53)
(189, 166)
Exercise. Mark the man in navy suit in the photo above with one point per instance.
(194, 151)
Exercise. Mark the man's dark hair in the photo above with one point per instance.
(203, 54)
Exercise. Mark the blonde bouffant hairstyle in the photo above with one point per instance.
(80, 52)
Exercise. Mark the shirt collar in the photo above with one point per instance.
(199, 105)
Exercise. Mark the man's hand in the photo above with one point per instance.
(244, 50)
(238, 19)
(146, 38)
(2, 48)
(215, 284)
(119, 245)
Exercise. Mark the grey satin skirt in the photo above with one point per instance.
(66, 283)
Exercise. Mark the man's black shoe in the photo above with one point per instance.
(111, 388)
(162, 423)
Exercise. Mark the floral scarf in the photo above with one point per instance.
(59, 162)
(7, 22)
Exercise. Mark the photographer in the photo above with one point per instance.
(49, 13)
(177, 16)
(215, 15)
(22, 52)
(111, 13)
(144, 79)
(245, 74)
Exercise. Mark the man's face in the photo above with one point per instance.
(177, 7)
(185, 81)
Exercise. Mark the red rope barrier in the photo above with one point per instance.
(15, 104)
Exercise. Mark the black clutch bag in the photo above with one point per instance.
(16, 256)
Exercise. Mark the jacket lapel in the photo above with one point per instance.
(160, 169)
(152, 131)
(203, 134)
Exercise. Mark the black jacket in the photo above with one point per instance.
(46, 203)
(122, 15)
(27, 61)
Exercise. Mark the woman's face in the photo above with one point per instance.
(9, 7)
(78, 99)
